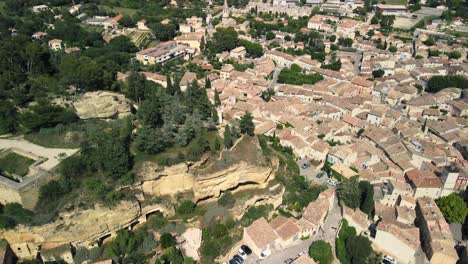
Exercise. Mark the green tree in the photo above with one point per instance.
(346, 42)
(453, 207)
(224, 39)
(126, 21)
(254, 50)
(186, 207)
(152, 140)
(378, 73)
(439, 82)
(227, 137)
(454, 54)
(367, 197)
(135, 86)
(270, 35)
(122, 44)
(358, 249)
(247, 125)
(429, 42)
(6, 222)
(217, 100)
(164, 32)
(167, 240)
(321, 252)
(217, 144)
(44, 115)
(51, 191)
(8, 117)
(17, 213)
(349, 193)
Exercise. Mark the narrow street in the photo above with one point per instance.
(275, 78)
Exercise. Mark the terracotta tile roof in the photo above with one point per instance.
(423, 179)
(285, 227)
(261, 233)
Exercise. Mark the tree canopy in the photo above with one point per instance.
(439, 82)
(321, 252)
(453, 207)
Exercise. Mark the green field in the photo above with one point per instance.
(393, 2)
(120, 10)
(15, 164)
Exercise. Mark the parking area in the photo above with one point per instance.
(312, 173)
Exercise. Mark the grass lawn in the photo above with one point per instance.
(121, 10)
(393, 2)
(15, 164)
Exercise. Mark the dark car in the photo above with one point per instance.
(233, 261)
(238, 258)
(288, 261)
(246, 249)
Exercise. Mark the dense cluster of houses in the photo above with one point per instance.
(410, 145)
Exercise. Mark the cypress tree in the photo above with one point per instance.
(227, 137)
(216, 98)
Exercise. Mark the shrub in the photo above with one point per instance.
(186, 207)
(227, 200)
(254, 213)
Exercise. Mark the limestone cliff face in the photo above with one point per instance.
(181, 178)
(239, 176)
(101, 105)
(171, 181)
(81, 227)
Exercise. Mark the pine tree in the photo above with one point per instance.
(227, 137)
(207, 83)
(246, 124)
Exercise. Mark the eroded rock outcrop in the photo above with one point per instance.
(179, 178)
(80, 227)
(231, 171)
(102, 105)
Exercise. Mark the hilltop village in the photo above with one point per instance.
(271, 131)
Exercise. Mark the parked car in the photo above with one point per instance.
(238, 259)
(319, 175)
(246, 249)
(305, 165)
(288, 261)
(233, 261)
(389, 260)
(242, 253)
(331, 182)
(300, 254)
(265, 254)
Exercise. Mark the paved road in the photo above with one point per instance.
(275, 78)
(357, 57)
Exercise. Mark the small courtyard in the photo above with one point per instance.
(15, 164)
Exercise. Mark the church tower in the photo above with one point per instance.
(225, 9)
